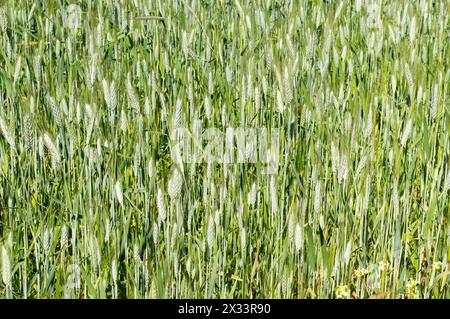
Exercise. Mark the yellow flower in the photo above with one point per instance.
(360, 272)
(411, 289)
(383, 265)
(437, 265)
(342, 292)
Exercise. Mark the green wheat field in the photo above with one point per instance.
(93, 203)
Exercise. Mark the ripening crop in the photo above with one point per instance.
(224, 149)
